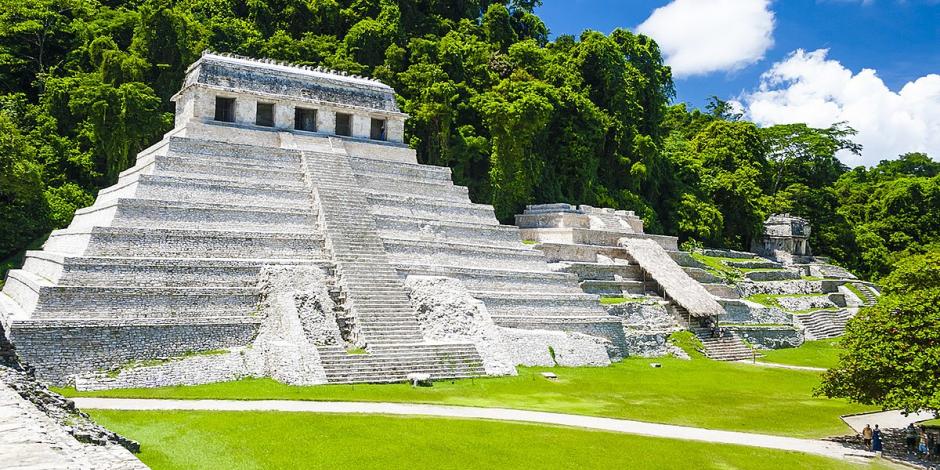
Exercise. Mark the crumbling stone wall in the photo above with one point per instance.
(297, 315)
(646, 327)
(550, 348)
(447, 312)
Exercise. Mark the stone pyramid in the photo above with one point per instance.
(278, 167)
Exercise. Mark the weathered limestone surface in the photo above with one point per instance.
(39, 429)
(216, 366)
(797, 286)
(298, 317)
(771, 337)
(805, 302)
(30, 440)
(740, 311)
(447, 311)
(298, 314)
(646, 326)
(549, 348)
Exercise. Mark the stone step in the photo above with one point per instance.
(503, 303)
(225, 170)
(432, 209)
(176, 243)
(754, 264)
(564, 252)
(183, 215)
(771, 275)
(727, 348)
(52, 301)
(603, 287)
(402, 169)
(458, 254)
(391, 187)
(722, 291)
(153, 272)
(417, 228)
(701, 275)
(487, 279)
(410, 350)
(398, 364)
(602, 271)
(234, 152)
(227, 180)
(174, 188)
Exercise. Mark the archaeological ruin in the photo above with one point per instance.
(283, 229)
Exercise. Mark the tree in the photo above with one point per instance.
(732, 174)
(515, 113)
(20, 190)
(800, 154)
(892, 356)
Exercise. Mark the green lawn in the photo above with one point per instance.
(821, 353)
(699, 393)
(256, 440)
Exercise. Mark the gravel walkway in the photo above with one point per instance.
(818, 447)
(892, 419)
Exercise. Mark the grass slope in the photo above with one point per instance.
(821, 353)
(257, 440)
(699, 393)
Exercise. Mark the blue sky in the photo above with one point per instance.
(725, 47)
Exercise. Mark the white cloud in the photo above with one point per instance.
(809, 87)
(703, 36)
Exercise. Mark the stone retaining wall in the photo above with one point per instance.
(770, 337)
(60, 349)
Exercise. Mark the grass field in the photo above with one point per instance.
(256, 440)
(700, 393)
(822, 353)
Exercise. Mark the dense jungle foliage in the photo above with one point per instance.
(520, 119)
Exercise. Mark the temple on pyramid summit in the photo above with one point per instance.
(282, 229)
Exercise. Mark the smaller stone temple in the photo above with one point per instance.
(786, 239)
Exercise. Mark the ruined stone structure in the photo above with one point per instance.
(613, 257)
(186, 270)
(785, 239)
(657, 289)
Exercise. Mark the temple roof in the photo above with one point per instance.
(266, 76)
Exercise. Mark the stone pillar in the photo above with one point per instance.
(326, 121)
(245, 110)
(361, 126)
(283, 115)
(395, 130)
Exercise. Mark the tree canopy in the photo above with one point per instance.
(893, 347)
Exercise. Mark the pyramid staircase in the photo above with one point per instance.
(376, 298)
(430, 227)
